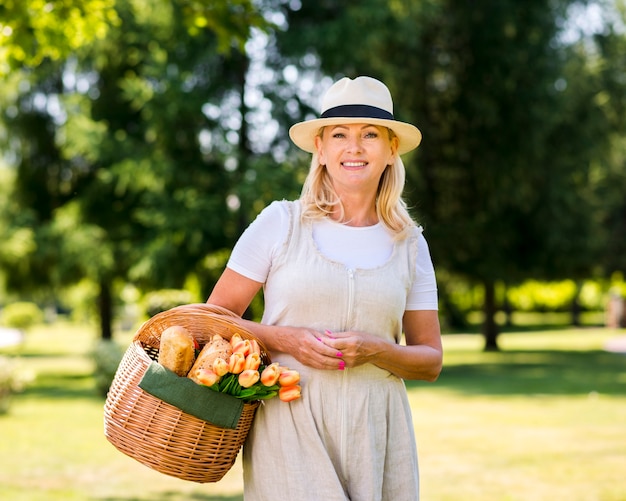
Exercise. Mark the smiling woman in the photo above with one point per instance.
(346, 275)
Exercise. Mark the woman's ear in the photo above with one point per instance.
(395, 142)
(320, 150)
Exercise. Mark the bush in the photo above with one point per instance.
(13, 379)
(21, 315)
(533, 295)
(107, 356)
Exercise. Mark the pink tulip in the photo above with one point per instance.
(269, 376)
(248, 377)
(220, 367)
(236, 363)
(254, 347)
(289, 393)
(243, 347)
(207, 377)
(253, 361)
(289, 377)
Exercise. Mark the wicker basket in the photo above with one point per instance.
(158, 434)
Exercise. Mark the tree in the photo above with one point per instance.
(122, 149)
(609, 69)
(501, 179)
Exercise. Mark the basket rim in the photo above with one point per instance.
(206, 311)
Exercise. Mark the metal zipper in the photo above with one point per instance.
(344, 383)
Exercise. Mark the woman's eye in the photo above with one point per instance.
(339, 135)
(371, 135)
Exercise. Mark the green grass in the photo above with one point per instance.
(542, 420)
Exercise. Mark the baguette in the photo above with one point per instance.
(177, 350)
(218, 347)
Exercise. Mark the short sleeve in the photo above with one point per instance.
(423, 294)
(253, 253)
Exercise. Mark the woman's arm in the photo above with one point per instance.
(234, 292)
(421, 358)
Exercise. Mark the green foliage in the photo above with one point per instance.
(536, 296)
(33, 30)
(21, 315)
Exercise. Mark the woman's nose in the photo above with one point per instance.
(354, 143)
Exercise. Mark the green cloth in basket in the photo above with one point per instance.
(199, 401)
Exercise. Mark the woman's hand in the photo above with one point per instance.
(354, 348)
(421, 357)
(310, 347)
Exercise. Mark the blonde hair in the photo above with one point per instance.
(318, 198)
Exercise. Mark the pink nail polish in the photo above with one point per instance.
(342, 365)
(329, 334)
(339, 354)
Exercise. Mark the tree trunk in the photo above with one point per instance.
(575, 307)
(105, 305)
(507, 308)
(490, 328)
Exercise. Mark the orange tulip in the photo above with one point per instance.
(269, 376)
(253, 361)
(207, 377)
(236, 363)
(248, 377)
(289, 393)
(235, 338)
(220, 366)
(289, 377)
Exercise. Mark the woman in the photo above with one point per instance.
(345, 272)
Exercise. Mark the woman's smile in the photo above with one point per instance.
(354, 165)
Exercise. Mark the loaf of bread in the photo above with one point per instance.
(217, 347)
(177, 350)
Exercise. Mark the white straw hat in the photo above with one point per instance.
(362, 100)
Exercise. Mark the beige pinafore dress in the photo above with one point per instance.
(350, 436)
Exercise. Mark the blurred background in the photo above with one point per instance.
(138, 138)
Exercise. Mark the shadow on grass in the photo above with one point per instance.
(176, 496)
(546, 372)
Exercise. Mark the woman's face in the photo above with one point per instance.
(356, 155)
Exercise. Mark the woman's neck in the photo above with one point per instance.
(357, 211)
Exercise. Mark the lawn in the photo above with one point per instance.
(542, 420)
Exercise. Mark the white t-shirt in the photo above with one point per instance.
(355, 247)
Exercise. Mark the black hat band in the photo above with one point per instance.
(357, 111)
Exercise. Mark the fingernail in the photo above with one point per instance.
(339, 354)
(342, 365)
(329, 333)
(319, 339)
